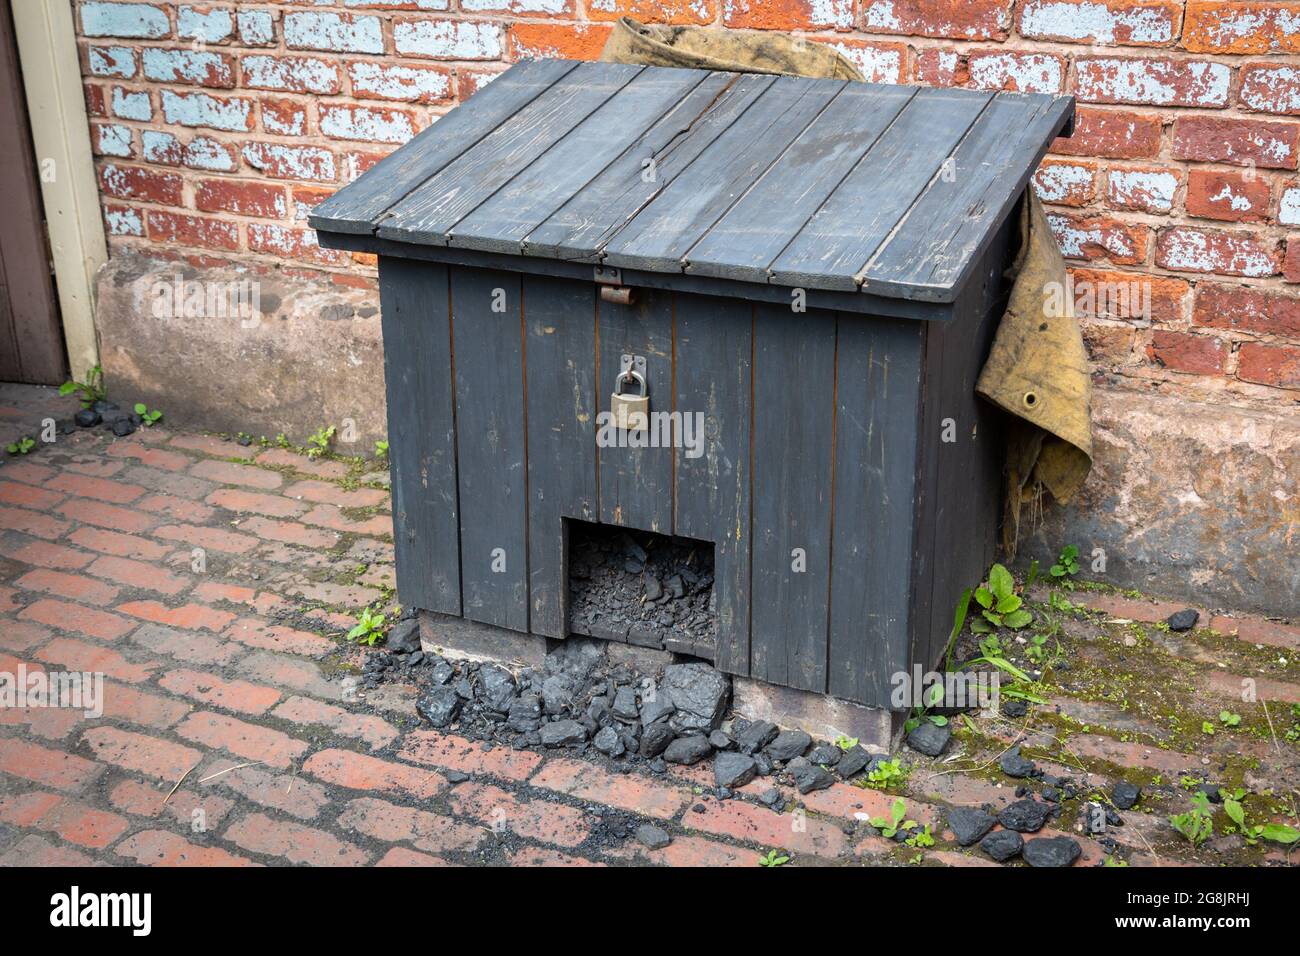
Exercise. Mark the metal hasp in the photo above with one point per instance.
(807, 441)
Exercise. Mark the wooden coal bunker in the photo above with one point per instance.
(816, 267)
(635, 587)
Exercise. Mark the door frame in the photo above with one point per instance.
(56, 107)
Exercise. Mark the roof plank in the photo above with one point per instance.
(522, 204)
(676, 219)
(579, 228)
(749, 237)
(991, 172)
(839, 239)
(429, 213)
(358, 207)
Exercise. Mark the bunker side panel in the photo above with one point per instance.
(961, 482)
(560, 325)
(794, 401)
(488, 345)
(636, 484)
(417, 361)
(878, 375)
(713, 375)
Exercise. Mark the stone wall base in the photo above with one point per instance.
(180, 339)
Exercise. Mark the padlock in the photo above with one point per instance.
(631, 412)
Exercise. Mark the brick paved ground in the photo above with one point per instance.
(235, 664)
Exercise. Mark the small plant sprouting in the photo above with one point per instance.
(886, 774)
(1276, 832)
(1067, 565)
(369, 627)
(1229, 719)
(921, 838)
(896, 822)
(319, 443)
(147, 416)
(1196, 824)
(22, 446)
(1207, 728)
(846, 743)
(773, 858)
(92, 389)
(1002, 606)
(381, 448)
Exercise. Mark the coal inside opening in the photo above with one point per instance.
(638, 587)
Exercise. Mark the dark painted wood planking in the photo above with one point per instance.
(922, 262)
(431, 211)
(490, 446)
(358, 207)
(421, 424)
(794, 401)
(501, 223)
(877, 401)
(842, 235)
(636, 483)
(579, 228)
(679, 216)
(560, 323)
(713, 348)
(745, 241)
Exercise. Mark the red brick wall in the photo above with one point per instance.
(217, 126)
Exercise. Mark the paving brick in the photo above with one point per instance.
(400, 856)
(329, 516)
(242, 739)
(151, 756)
(71, 820)
(692, 851)
(28, 496)
(392, 823)
(77, 656)
(373, 730)
(153, 457)
(283, 458)
(48, 768)
(74, 618)
(451, 752)
(296, 843)
(33, 523)
(239, 501)
(1257, 630)
(141, 708)
(192, 647)
(211, 539)
(288, 672)
(289, 532)
(106, 516)
(360, 772)
(631, 792)
(236, 695)
(73, 586)
(232, 473)
(193, 811)
(323, 492)
(541, 856)
(32, 850)
(138, 574)
(284, 792)
(173, 506)
(188, 617)
(121, 545)
(23, 635)
(46, 554)
(533, 819)
(114, 492)
(160, 848)
(753, 824)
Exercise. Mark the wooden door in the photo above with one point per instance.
(31, 338)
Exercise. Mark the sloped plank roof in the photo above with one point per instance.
(821, 184)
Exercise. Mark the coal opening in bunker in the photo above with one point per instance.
(639, 587)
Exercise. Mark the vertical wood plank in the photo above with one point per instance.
(421, 426)
(712, 362)
(560, 323)
(636, 483)
(878, 368)
(794, 397)
(490, 445)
